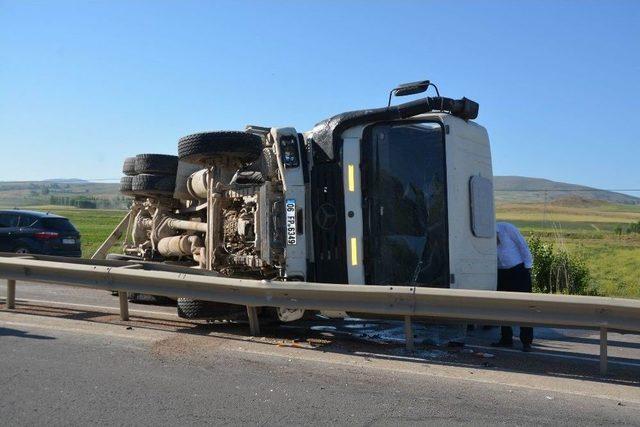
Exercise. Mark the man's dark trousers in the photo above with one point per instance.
(515, 279)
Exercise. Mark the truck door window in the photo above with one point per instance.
(405, 205)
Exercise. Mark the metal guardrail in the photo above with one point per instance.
(493, 307)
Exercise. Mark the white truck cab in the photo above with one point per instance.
(403, 199)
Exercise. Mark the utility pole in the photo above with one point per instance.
(544, 212)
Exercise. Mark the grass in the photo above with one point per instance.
(94, 224)
(615, 266)
(598, 214)
(37, 193)
(613, 260)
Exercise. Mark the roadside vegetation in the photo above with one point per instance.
(557, 270)
(584, 250)
(72, 193)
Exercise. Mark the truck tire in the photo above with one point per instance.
(136, 297)
(268, 164)
(152, 184)
(160, 164)
(129, 166)
(197, 309)
(205, 148)
(125, 185)
(150, 299)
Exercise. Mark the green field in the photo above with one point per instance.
(588, 231)
(61, 193)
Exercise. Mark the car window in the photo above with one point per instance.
(8, 220)
(27, 220)
(61, 224)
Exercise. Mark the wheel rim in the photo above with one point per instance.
(22, 251)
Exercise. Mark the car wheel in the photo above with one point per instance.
(22, 250)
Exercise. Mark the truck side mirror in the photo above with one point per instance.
(409, 89)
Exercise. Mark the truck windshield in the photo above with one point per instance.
(405, 212)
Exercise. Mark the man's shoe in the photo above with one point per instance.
(526, 348)
(502, 344)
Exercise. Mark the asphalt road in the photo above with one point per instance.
(78, 364)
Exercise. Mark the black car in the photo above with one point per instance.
(39, 233)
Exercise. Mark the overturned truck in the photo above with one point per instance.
(400, 195)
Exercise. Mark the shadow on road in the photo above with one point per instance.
(8, 332)
(340, 337)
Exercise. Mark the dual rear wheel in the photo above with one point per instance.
(149, 175)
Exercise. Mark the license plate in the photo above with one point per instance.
(292, 228)
(68, 241)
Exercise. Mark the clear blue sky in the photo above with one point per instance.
(85, 83)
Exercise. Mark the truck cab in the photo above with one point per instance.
(402, 199)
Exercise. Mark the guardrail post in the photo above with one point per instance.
(254, 323)
(408, 333)
(603, 351)
(11, 294)
(124, 305)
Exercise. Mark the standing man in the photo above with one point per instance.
(514, 275)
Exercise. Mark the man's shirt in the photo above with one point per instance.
(512, 248)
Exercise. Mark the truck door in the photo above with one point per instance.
(405, 205)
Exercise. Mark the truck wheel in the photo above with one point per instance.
(268, 164)
(205, 148)
(129, 166)
(154, 185)
(125, 185)
(161, 164)
(150, 299)
(195, 309)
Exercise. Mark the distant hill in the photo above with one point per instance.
(508, 189)
(67, 180)
(519, 189)
(60, 192)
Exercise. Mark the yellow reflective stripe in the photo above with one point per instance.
(351, 174)
(354, 251)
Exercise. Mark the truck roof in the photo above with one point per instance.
(326, 134)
